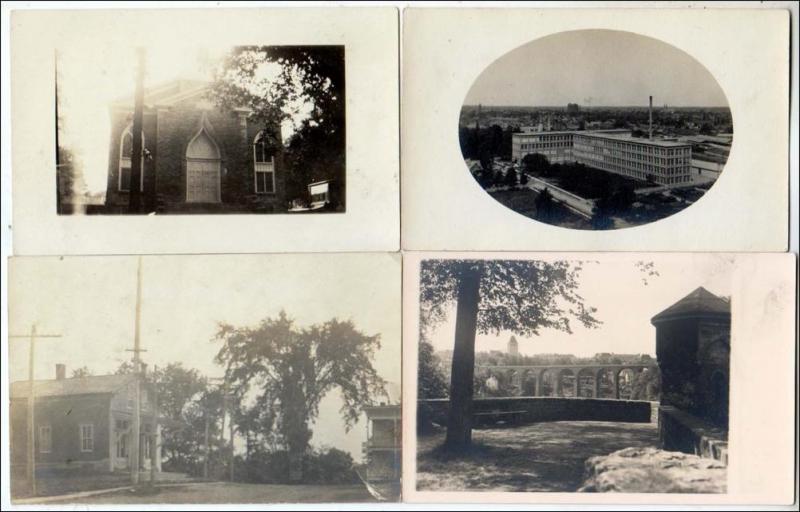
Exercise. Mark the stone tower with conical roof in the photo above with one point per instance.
(693, 350)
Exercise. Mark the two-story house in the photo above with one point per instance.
(83, 422)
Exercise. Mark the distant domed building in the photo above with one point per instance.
(513, 347)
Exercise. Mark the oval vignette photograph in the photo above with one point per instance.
(596, 130)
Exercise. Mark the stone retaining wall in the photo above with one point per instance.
(680, 431)
(538, 409)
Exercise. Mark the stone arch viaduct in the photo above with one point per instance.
(548, 380)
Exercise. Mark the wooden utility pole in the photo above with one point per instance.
(154, 437)
(31, 462)
(135, 193)
(226, 409)
(224, 412)
(229, 409)
(137, 366)
(230, 426)
(59, 205)
(205, 443)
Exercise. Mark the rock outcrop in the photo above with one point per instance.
(652, 470)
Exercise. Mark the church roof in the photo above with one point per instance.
(166, 94)
(699, 302)
(91, 385)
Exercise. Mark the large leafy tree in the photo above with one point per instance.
(536, 164)
(492, 296)
(288, 370)
(186, 400)
(431, 381)
(301, 84)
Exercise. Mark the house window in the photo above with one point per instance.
(122, 433)
(264, 165)
(125, 154)
(146, 438)
(87, 437)
(122, 446)
(45, 439)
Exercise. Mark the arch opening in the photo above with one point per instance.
(203, 165)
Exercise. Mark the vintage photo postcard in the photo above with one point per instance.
(599, 378)
(595, 129)
(250, 379)
(278, 136)
(248, 129)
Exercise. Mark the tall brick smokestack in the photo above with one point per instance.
(650, 129)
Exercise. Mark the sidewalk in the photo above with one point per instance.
(56, 487)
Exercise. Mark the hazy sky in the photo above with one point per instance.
(91, 76)
(90, 301)
(597, 67)
(625, 305)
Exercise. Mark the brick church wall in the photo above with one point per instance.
(168, 133)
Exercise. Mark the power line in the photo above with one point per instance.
(31, 463)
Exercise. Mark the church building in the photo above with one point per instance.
(197, 157)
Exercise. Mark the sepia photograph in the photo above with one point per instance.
(592, 374)
(204, 379)
(629, 129)
(205, 129)
(596, 129)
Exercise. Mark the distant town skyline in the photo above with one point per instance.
(625, 306)
(609, 68)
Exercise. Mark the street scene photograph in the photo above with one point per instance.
(199, 130)
(204, 379)
(596, 130)
(573, 375)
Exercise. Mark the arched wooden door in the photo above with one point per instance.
(203, 170)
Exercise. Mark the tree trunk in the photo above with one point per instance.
(459, 419)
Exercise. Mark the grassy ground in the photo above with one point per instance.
(226, 492)
(659, 205)
(51, 482)
(540, 457)
(589, 182)
(521, 201)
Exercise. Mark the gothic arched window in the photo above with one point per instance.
(125, 154)
(264, 165)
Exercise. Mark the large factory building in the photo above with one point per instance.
(665, 162)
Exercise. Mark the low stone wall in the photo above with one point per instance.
(680, 431)
(538, 409)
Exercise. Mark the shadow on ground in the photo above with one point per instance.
(540, 457)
